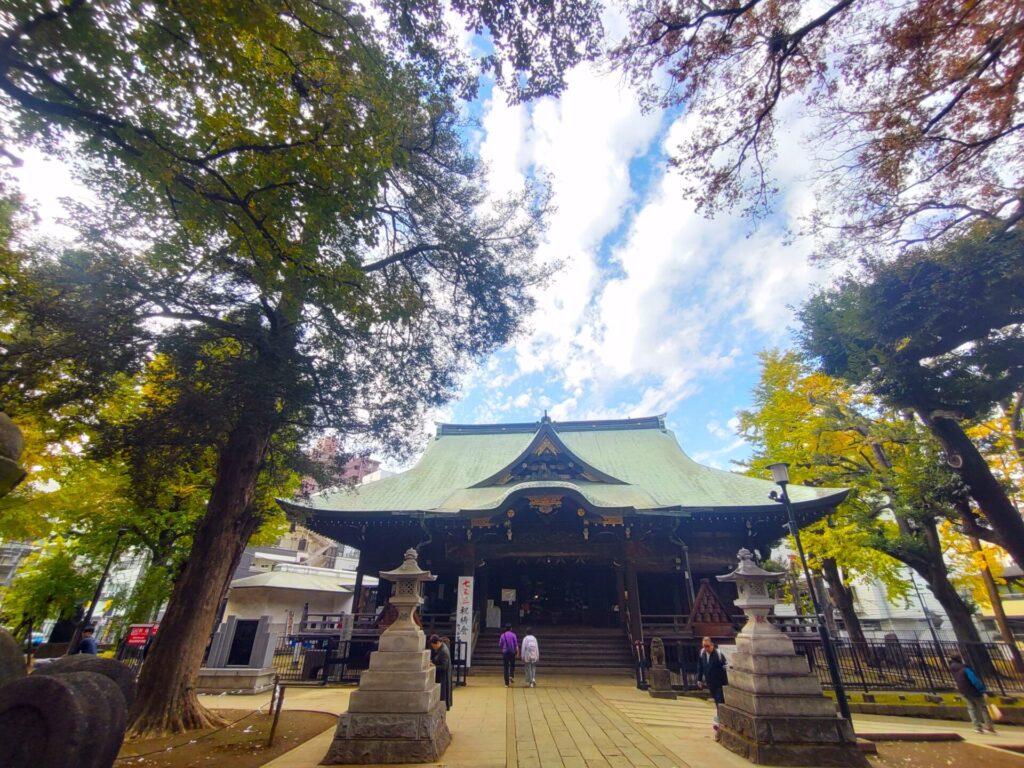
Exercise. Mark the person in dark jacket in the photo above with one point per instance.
(711, 672)
(441, 658)
(87, 644)
(973, 691)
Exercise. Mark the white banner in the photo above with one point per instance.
(464, 615)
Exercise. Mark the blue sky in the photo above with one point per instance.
(655, 309)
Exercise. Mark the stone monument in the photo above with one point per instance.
(775, 712)
(660, 682)
(397, 715)
(241, 657)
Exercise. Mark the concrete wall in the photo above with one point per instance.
(253, 602)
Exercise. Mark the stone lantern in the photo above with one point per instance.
(752, 582)
(775, 712)
(397, 715)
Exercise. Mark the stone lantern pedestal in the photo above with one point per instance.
(397, 715)
(775, 712)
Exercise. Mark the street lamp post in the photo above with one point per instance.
(99, 591)
(780, 474)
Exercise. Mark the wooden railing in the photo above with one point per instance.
(675, 625)
(665, 624)
(368, 624)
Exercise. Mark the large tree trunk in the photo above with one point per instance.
(842, 598)
(961, 620)
(984, 487)
(166, 700)
(931, 565)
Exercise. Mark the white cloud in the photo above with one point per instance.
(653, 301)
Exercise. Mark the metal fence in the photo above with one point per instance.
(318, 658)
(891, 665)
(913, 665)
(323, 660)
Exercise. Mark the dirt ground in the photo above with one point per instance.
(941, 754)
(242, 744)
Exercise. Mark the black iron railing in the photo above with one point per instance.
(890, 665)
(914, 665)
(322, 660)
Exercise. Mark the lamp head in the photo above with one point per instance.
(780, 472)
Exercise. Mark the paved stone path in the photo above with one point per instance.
(571, 723)
(575, 728)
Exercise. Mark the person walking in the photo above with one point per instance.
(973, 690)
(509, 645)
(441, 658)
(87, 644)
(530, 653)
(711, 673)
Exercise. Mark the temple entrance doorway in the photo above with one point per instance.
(553, 593)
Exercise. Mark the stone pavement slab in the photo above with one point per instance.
(571, 722)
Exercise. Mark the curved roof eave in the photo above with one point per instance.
(808, 505)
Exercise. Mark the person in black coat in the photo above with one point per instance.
(711, 672)
(441, 658)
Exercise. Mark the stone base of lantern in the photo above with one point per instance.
(775, 712)
(800, 741)
(368, 738)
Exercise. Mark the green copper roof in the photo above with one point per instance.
(630, 464)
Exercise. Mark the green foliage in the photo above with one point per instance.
(307, 232)
(938, 332)
(50, 584)
(933, 329)
(817, 424)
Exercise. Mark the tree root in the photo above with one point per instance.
(168, 719)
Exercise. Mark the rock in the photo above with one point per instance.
(107, 716)
(11, 446)
(43, 723)
(123, 676)
(12, 660)
(11, 441)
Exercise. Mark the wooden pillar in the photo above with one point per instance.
(677, 601)
(688, 575)
(633, 603)
(620, 593)
(357, 589)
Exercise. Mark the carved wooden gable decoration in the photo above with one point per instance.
(547, 458)
(710, 617)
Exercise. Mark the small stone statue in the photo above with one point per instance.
(660, 677)
(657, 652)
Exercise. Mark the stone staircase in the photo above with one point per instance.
(563, 650)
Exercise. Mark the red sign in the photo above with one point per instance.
(138, 634)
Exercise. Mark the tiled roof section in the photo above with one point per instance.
(652, 471)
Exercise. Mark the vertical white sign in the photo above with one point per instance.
(464, 615)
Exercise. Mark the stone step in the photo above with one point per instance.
(543, 670)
